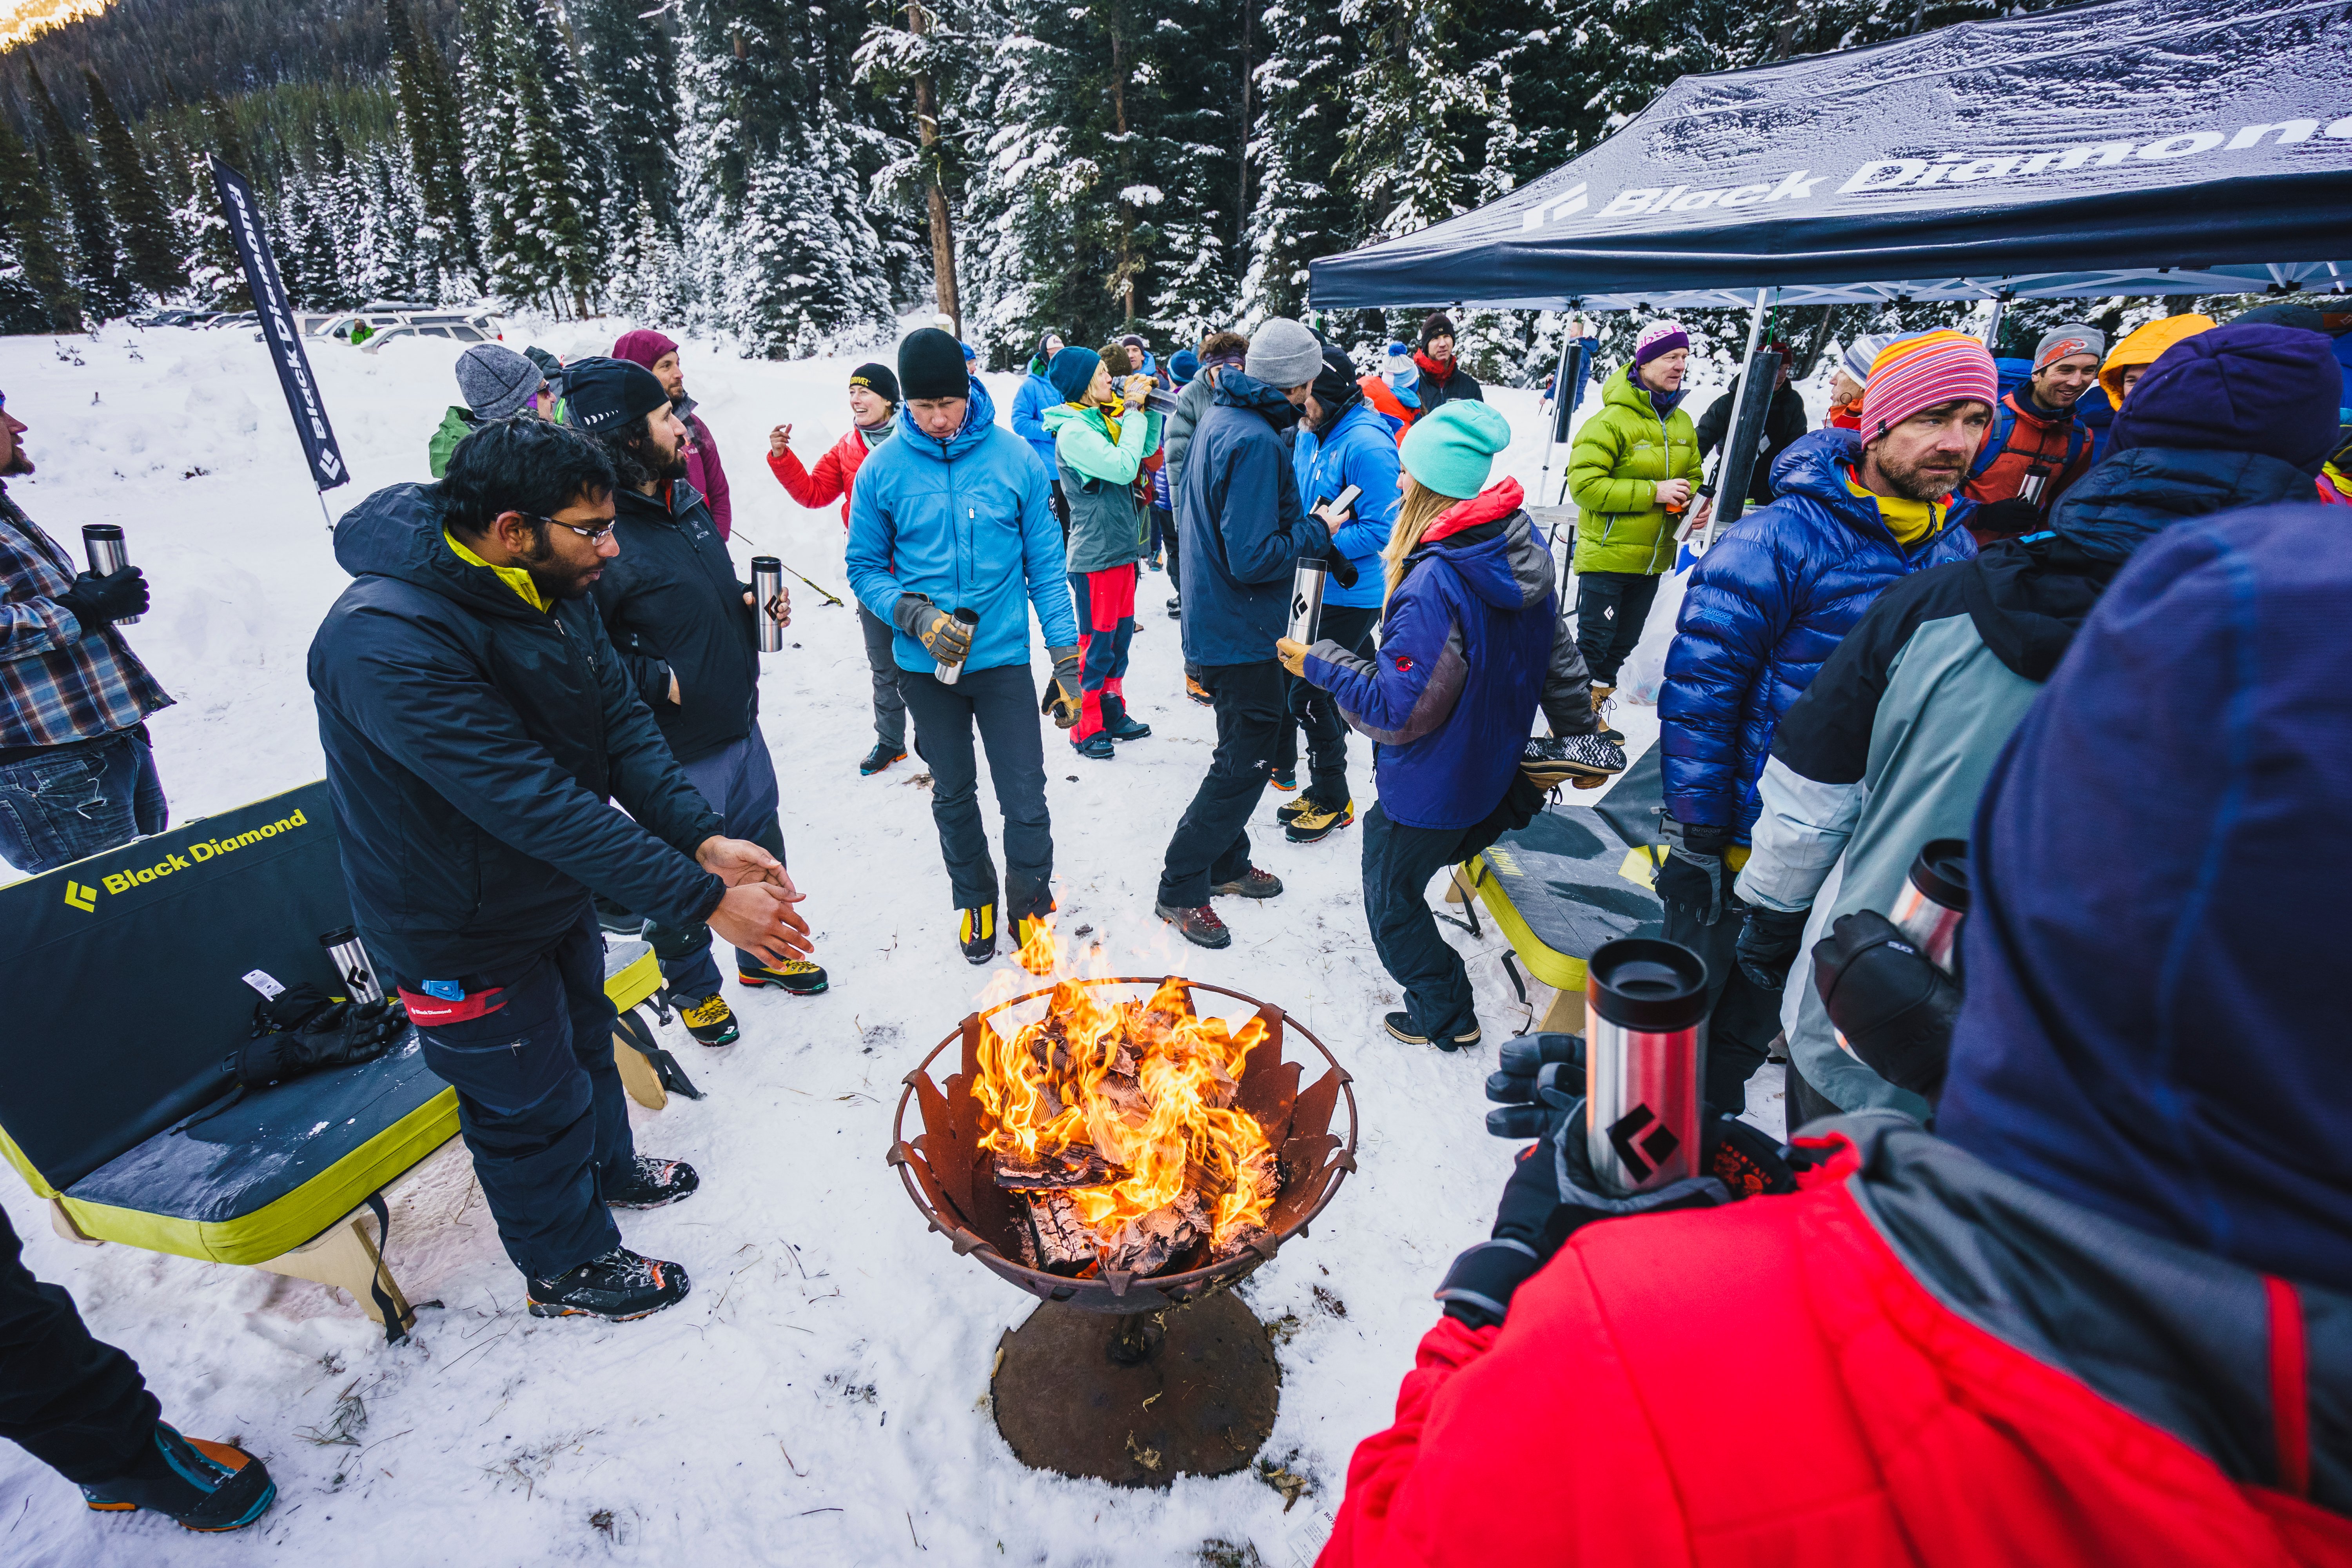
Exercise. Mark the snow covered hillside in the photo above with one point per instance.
(822, 1397)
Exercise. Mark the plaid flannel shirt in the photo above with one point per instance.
(58, 684)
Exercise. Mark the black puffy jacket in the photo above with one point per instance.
(473, 745)
(673, 605)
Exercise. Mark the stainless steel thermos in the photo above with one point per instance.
(949, 674)
(102, 543)
(1644, 1062)
(351, 966)
(766, 581)
(1306, 585)
(1935, 899)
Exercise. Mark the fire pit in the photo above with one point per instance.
(1127, 1160)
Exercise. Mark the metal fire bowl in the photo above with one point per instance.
(952, 1181)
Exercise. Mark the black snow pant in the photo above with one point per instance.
(1212, 840)
(1002, 704)
(1612, 607)
(1399, 862)
(1311, 709)
(74, 1402)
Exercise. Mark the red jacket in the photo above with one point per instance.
(836, 472)
(2036, 441)
(704, 472)
(1383, 398)
(1773, 1382)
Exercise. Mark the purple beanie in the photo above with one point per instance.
(1659, 338)
(2240, 388)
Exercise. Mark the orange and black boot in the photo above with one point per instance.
(211, 1487)
(799, 977)
(619, 1287)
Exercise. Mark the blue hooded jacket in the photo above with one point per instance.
(1237, 504)
(967, 521)
(474, 744)
(1358, 451)
(2155, 1013)
(1766, 605)
(1029, 404)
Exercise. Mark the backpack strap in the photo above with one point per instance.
(2004, 420)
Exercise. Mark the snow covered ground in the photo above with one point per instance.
(822, 1397)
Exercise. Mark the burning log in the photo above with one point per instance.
(1076, 1166)
(1053, 1237)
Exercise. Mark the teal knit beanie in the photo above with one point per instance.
(1073, 370)
(1451, 450)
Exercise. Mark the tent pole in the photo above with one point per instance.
(1992, 326)
(1559, 391)
(1738, 398)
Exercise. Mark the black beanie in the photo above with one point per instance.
(1436, 324)
(1335, 384)
(876, 379)
(601, 395)
(931, 364)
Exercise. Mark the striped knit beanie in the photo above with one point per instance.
(1659, 338)
(1912, 373)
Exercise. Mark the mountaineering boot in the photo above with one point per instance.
(619, 1287)
(1400, 1026)
(211, 1487)
(652, 1183)
(1200, 925)
(1251, 884)
(613, 918)
(1603, 700)
(1176, 607)
(711, 1021)
(976, 931)
(883, 754)
(799, 977)
(1284, 779)
(1585, 761)
(1316, 822)
(1097, 746)
(1116, 724)
(1196, 691)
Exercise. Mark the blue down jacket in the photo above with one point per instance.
(1766, 605)
(1357, 450)
(1471, 645)
(1035, 396)
(967, 521)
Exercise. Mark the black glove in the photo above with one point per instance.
(1767, 945)
(1542, 1078)
(1062, 694)
(1693, 884)
(943, 637)
(98, 600)
(2006, 518)
(341, 1035)
(1895, 1009)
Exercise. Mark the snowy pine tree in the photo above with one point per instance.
(630, 64)
(1302, 210)
(429, 123)
(143, 219)
(97, 268)
(34, 293)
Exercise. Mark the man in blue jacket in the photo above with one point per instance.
(1767, 604)
(949, 520)
(1237, 506)
(1035, 396)
(478, 728)
(1343, 441)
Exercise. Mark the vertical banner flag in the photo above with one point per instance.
(278, 329)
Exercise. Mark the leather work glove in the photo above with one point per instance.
(1892, 1008)
(97, 602)
(1695, 884)
(1062, 694)
(1767, 945)
(943, 637)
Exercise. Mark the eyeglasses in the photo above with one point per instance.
(592, 535)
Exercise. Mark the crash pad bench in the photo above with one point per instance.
(127, 992)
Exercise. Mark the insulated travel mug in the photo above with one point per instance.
(949, 674)
(766, 581)
(351, 966)
(1307, 598)
(1935, 899)
(102, 542)
(1644, 1062)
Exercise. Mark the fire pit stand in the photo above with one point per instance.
(1130, 1379)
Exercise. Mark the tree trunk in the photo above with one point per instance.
(1126, 216)
(935, 195)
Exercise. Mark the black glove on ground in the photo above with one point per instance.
(1767, 945)
(1894, 1008)
(97, 601)
(1693, 884)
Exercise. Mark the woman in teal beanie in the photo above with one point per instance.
(1471, 645)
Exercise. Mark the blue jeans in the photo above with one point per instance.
(739, 782)
(79, 799)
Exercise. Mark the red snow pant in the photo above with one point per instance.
(1105, 605)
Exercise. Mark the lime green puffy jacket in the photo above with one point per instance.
(1614, 471)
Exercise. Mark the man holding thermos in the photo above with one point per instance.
(77, 775)
(686, 631)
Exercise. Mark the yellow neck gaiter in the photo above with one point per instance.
(514, 577)
(1908, 521)
(1111, 413)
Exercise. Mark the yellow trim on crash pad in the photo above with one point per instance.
(1553, 968)
(15, 1156)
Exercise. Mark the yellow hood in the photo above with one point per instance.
(2146, 346)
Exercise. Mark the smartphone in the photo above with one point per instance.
(1345, 502)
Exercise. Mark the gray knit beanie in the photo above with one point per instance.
(1283, 354)
(494, 381)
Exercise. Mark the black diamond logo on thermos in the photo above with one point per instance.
(1643, 1142)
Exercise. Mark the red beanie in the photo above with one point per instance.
(641, 346)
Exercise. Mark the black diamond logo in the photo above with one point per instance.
(1643, 1142)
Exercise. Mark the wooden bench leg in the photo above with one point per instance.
(639, 1074)
(346, 1257)
(1566, 1014)
(1455, 893)
(63, 1224)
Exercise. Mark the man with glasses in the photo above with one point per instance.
(77, 776)
(478, 728)
(684, 629)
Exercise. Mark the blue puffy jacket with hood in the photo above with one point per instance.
(1359, 449)
(1237, 504)
(475, 743)
(969, 522)
(1035, 396)
(1766, 605)
(1471, 646)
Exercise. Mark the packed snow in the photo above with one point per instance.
(823, 1396)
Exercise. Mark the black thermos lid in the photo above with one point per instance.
(1941, 873)
(1645, 984)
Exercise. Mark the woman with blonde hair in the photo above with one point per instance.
(1471, 645)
